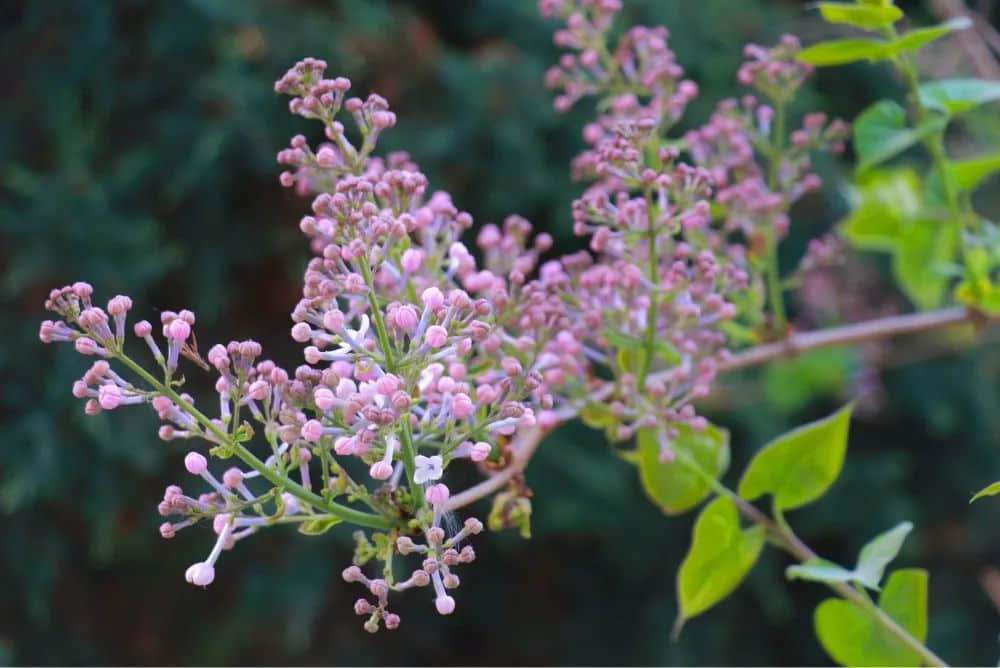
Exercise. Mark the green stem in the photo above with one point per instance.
(409, 457)
(960, 212)
(380, 331)
(278, 480)
(792, 544)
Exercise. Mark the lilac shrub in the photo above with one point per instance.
(421, 353)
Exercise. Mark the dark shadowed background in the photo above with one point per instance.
(137, 144)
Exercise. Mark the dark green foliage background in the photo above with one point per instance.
(137, 143)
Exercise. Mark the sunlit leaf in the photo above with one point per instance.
(799, 466)
(989, 490)
(673, 485)
(852, 638)
(954, 96)
(720, 556)
(843, 51)
(867, 17)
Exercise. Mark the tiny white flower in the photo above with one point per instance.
(428, 468)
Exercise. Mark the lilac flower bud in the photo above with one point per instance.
(352, 574)
(301, 332)
(445, 605)
(435, 535)
(232, 478)
(436, 336)
(437, 495)
(412, 259)
(109, 396)
(312, 431)
(362, 607)
(392, 621)
(201, 574)
(258, 390)
(195, 463)
(167, 530)
(380, 470)
(178, 330)
(432, 298)
(86, 346)
(480, 451)
(324, 398)
(462, 406)
(406, 318)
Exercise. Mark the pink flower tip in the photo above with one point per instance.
(312, 430)
(109, 396)
(437, 495)
(480, 451)
(380, 470)
(179, 329)
(445, 605)
(195, 463)
(201, 574)
(143, 328)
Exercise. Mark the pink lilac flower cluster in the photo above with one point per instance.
(675, 226)
(418, 355)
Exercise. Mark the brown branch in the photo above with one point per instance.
(526, 443)
(869, 330)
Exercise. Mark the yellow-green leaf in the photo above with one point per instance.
(852, 638)
(799, 466)
(674, 486)
(989, 490)
(866, 17)
(843, 51)
(720, 556)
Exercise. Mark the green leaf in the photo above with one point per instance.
(866, 17)
(597, 416)
(319, 526)
(989, 490)
(921, 249)
(872, 560)
(883, 201)
(720, 556)
(852, 638)
(674, 486)
(819, 570)
(878, 552)
(799, 466)
(953, 96)
(967, 174)
(916, 39)
(843, 51)
(881, 132)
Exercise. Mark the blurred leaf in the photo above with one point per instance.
(819, 570)
(791, 384)
(852, 638)
(867, 17)
(922, 248)
(673, 486)
(881, 132)
(953, 96)
(843, 51)
(720, 556)
(883, 201)
(318, 527)
(799, 466)
(916, 39)
(967, 174)
(990, 490)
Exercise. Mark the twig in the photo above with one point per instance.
(526, 443)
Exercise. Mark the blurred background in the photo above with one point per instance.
(137, 143)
